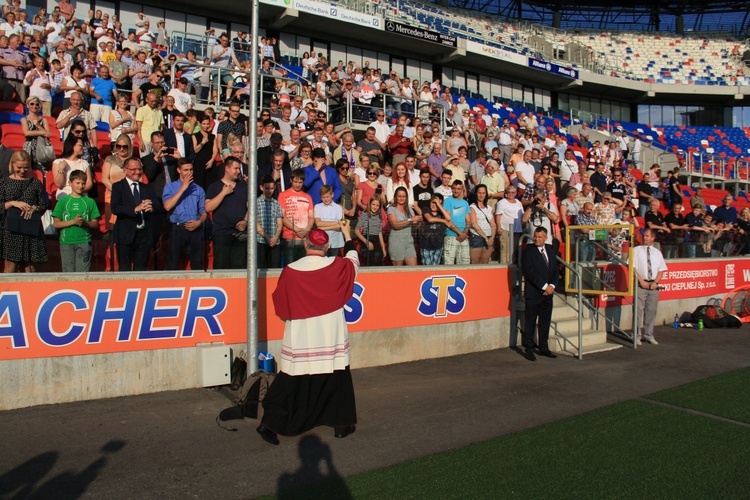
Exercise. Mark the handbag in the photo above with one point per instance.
(239, 370)
(44, 152)
(15, 223)
(48, 224)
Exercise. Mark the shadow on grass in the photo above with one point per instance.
(316, 468)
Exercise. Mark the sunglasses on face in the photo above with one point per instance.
(121, 146)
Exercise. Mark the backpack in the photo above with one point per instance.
(715, 317)
(251, 393)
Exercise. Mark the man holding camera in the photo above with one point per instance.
(160, 168)
(540, 212)
(649, 268)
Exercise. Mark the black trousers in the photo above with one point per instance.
(541, 309)
(269, 257)
(134, 256)
(229, 252)
(179, 240)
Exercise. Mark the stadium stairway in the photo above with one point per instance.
(563, 337)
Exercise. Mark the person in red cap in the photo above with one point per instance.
(314, 385)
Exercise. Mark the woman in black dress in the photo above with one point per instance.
(204, 144)
(22, 191)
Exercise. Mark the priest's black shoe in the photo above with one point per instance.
(267, 434)
(547, 354)
(529, 355)
(342, 432)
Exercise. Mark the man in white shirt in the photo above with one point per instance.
(524, 171)
(411, 171)
(182, 100)
(649, 268)
(636, 149)
(10, 26)
(568, 166)
(504, 141)
(382, 129)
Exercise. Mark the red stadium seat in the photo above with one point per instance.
(12, 107)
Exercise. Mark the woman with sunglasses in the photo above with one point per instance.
(22, 191)
(454, 142)
(34, 126)
(368, 188)
(113, 171)
(348, 198)
(72, 159)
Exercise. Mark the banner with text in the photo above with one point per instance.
(555, 69)
(495, 53)
(339, 13)
(686, 279)
(44, 319)
(421, 33)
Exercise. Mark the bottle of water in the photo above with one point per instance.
(700, 324)
(676, 323)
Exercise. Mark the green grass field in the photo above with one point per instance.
(724, 395)
(634, 449)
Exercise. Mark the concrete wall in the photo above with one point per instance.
(30, 382)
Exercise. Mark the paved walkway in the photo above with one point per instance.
(168, 445)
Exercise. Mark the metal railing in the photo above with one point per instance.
(596, 312)
(594, 119)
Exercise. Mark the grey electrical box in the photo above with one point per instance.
(214, 364)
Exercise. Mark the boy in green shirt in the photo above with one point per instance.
(75, 216)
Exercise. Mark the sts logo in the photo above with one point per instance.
(442, 295)
(355, 309)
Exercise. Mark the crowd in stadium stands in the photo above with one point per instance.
(432, 181)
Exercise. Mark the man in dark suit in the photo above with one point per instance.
(134, 204)
(5, 154)
(542, 277)
(177, 138)
(280, 174)
(265, 154)
(160, 166)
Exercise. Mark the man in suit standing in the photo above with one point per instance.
(178, 139)
(542, 277)
(160, 165)
(134, 203)
(281, 175)
(265, 153)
